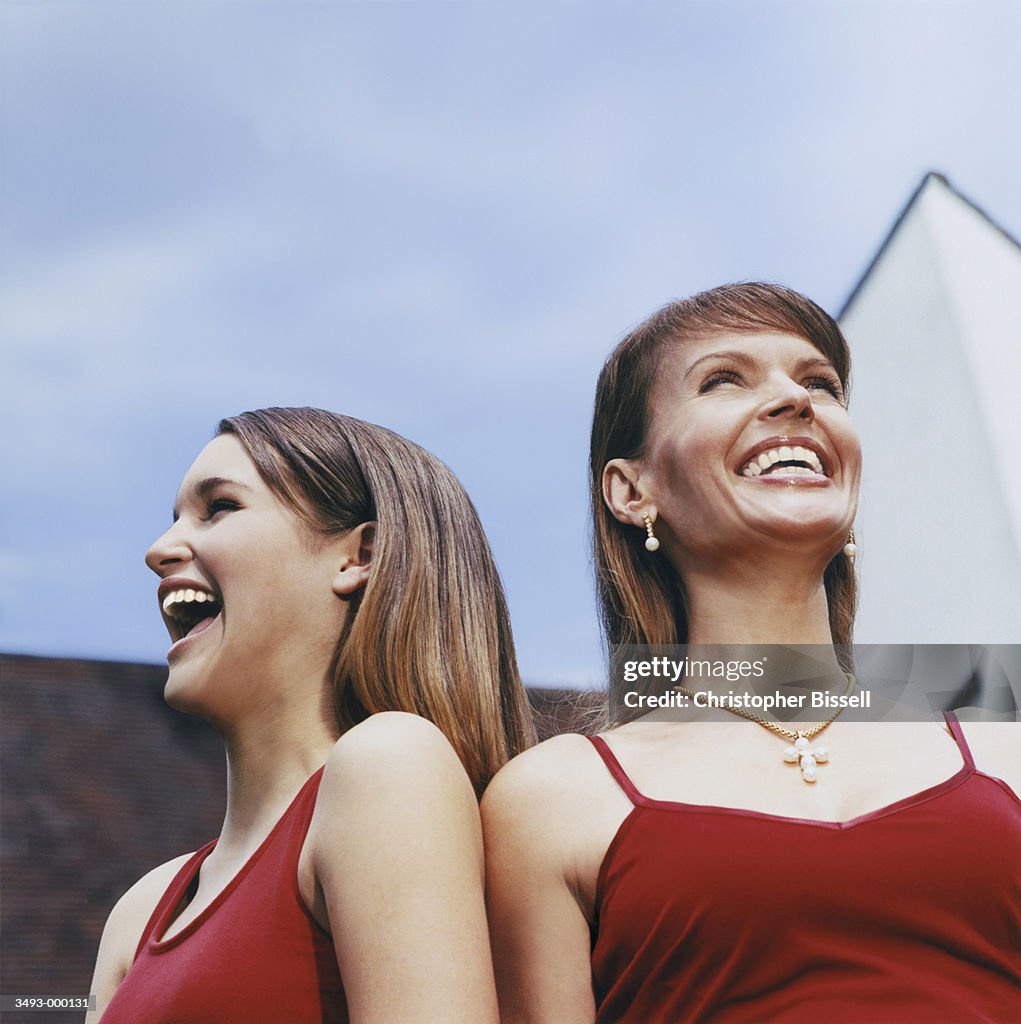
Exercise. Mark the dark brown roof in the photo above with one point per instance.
(101, 782)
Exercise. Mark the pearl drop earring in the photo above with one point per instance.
(850, 548)
(651, 542)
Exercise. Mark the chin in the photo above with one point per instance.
(822, 537)
(186, 690)
(802, 519)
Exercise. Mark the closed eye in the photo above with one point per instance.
(826, 383)
(717, 378)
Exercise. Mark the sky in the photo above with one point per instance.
(439, 217)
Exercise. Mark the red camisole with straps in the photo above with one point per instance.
(910, 914)
(254, 955)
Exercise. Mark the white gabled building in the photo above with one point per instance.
(935, 333)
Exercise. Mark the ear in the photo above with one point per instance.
(623, 493)
(354, 554)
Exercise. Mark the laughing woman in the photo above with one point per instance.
(336, 614)
(670, 872)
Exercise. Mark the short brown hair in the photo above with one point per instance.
(641, 600)
(430, 632)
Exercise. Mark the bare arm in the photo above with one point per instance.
(123, 930)
(396, 846)
(540, 934)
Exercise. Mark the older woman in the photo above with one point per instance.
(335, 612)
(669, 872)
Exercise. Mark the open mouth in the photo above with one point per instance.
(188, 611)
(787, 460)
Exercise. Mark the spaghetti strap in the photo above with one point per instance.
(958, 734)
(611, 762)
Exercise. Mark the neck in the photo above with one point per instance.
(768, 603)
(270, 755)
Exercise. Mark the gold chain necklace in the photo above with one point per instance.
(801, 754)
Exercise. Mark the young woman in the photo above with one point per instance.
(335, 612)
(681, 872)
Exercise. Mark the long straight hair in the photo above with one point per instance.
(642, 600)
(429, 633)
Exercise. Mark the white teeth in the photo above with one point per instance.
(785, 453)
(185, 594)
(807, 455)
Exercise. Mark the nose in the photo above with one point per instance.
(788, 400)
(168, 551)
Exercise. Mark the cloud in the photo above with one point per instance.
(438, 217)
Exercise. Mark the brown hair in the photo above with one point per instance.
(429, 633)
(642, 600)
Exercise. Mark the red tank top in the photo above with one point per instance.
(911, 913)
(254, 955)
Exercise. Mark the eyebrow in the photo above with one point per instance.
(746, 360)
(204, 488)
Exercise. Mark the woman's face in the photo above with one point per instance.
(246, 590)
(749, 442)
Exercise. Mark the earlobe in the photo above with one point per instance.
(355, 551)
(350, 578)
(623, 494)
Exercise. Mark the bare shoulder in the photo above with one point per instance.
(395, 847)
(393, 753)
(124, 927)
(389, 730)
(132, 911)
(557, 768)
(996, 747)
(547, 817)
(551, 797)
(391, 783)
